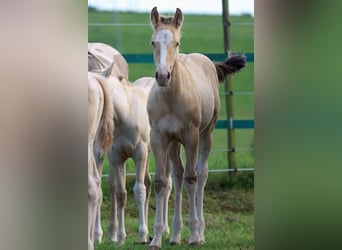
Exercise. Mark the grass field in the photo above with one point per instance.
(228, 215)
(228, 201)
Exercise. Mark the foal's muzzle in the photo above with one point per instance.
(163, 78)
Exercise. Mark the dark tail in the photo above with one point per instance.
(230, 66)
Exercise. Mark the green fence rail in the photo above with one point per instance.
(235, 124)
(148, 58)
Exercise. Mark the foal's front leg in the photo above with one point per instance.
(159, 147)
(205, 143)
(140, 157)
(190, 180)
(118, 193)
(177, 172)
(166, 200)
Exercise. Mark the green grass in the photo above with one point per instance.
(229, 199)
(228, 215)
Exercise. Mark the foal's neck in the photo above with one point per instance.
(175, 76)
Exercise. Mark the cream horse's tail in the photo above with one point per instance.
(230, 66)
(106, 128)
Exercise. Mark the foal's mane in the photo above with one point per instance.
(166, 20)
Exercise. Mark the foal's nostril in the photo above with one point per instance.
(168, 75)
(156, 74)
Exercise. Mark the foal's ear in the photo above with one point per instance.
(178, 18)
(154, 17)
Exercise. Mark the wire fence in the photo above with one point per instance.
(209, 171)
(148, 24)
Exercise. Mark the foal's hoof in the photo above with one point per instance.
(154, 248)
(194, 244)
(140, 243)
(173, 243)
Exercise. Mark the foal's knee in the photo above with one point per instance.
(121, 198)
(139, 191)
(160, 185)
(147, 182)
(190, 179)
(202, 178)
(190, 183)
(93, 192)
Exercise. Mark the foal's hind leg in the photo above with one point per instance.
(99, 164)
(147, 182)
(205, 143)
(140, 157)
(118, 193)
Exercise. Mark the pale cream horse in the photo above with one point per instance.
(100, 129)
(183, 106)
(130, 140)
(100, 56)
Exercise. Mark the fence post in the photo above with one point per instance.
(228, 88)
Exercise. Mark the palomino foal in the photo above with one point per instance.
(183, 106)
(100, 129)
(130, 140)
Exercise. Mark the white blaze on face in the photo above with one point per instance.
(164, 38)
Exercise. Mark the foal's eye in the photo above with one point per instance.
(177, 44)
(152, 43)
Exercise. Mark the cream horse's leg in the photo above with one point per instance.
(190, 181)
(94, 187)
(118, 194)
(98, 228)
(178, 171)
(159, 147)
(202, 175)
(92, 203)
(166, 200)
(147, 182)
(141, 157)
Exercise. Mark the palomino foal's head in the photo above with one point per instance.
(165, 42)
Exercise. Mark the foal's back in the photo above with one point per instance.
(201, 69)
(131, 116)
(201, 73)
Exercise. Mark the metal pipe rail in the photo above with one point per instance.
(209, 171)
(148, 24)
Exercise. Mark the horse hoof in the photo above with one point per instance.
(154, 248)
(173, 243)
(113, 239)
(194, 244)
(140, 243)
